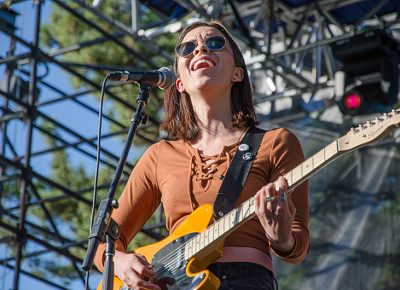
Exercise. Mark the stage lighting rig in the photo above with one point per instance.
(370, 69)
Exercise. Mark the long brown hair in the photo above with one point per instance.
(181, 122)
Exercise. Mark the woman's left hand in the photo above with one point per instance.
(276, 211)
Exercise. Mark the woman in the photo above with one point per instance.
(207, 114)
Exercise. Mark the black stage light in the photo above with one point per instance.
(365, 99)
(370, 63)
(352, 102)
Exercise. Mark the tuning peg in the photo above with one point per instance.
(368, 124)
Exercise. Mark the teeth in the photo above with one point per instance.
(202, 61)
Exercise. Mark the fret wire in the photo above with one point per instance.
(216, 231)
(201, 240)
(240, 211)
(194, 245)
(191, 247)
(206, 238)
(307, 167)
(227, 223)
(235, 217)
(312, 162)
(186, 252)
(247, 212)
(301, 171)
(221, 226)
(197, 244)
(252, 206)
(244, 210)
(211, 233)
(291, 177)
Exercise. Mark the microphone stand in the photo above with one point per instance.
(104, 227)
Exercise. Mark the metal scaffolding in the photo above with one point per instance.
(287, 50)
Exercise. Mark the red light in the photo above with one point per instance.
(352, 101)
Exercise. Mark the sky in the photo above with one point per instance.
(67, 112)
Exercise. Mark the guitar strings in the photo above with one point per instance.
(167, 260)
(181, 248)
(175, 256)
(178, 253)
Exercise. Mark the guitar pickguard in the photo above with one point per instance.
(169, 264)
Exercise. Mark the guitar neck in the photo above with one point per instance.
(310, 166)
(235, 218)
(220, 229)
(357, 137)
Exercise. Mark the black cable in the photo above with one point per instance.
(97, 165)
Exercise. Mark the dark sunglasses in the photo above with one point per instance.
(213, 43)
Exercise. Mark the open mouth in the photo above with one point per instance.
(202, 63)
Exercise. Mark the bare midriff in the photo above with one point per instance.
(246, 254)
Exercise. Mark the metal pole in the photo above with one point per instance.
(135, 15)
(26, 176)
(3, 128)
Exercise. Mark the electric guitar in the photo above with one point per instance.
(182, 258)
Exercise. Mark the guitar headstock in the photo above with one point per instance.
(370, 131)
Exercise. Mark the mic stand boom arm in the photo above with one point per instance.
(104, 225)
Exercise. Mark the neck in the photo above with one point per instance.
(214, 113)
(215, 120)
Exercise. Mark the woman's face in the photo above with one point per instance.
(204, 69)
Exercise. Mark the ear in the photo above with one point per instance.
(238, 75)
(179, 86)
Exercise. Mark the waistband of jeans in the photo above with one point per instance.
(245, 269)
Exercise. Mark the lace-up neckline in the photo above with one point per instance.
(209, 166)
(207, 169)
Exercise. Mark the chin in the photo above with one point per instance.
(204, 82)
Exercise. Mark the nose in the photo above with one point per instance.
(201, 47)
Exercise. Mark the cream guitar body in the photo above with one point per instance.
(168, 256)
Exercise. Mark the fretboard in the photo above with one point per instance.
(238, 216)
(310, 166)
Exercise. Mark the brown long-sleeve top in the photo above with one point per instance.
(174, 173)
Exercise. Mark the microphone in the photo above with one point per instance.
(162, 78)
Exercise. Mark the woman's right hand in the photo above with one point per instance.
(134, 271)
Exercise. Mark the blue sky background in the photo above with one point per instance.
(67, 112)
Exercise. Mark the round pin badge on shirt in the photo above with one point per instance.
(243, 147)
(247, 156)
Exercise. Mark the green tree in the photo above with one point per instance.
(70, 216)
(65, 29)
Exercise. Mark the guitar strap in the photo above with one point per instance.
(237, 173)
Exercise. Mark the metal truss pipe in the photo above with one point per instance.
(42, 55)
(56, 249)
(17, 165)
(107, 34)
(65, 128)
(125, 30)
(9, 266)
(26, 176)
